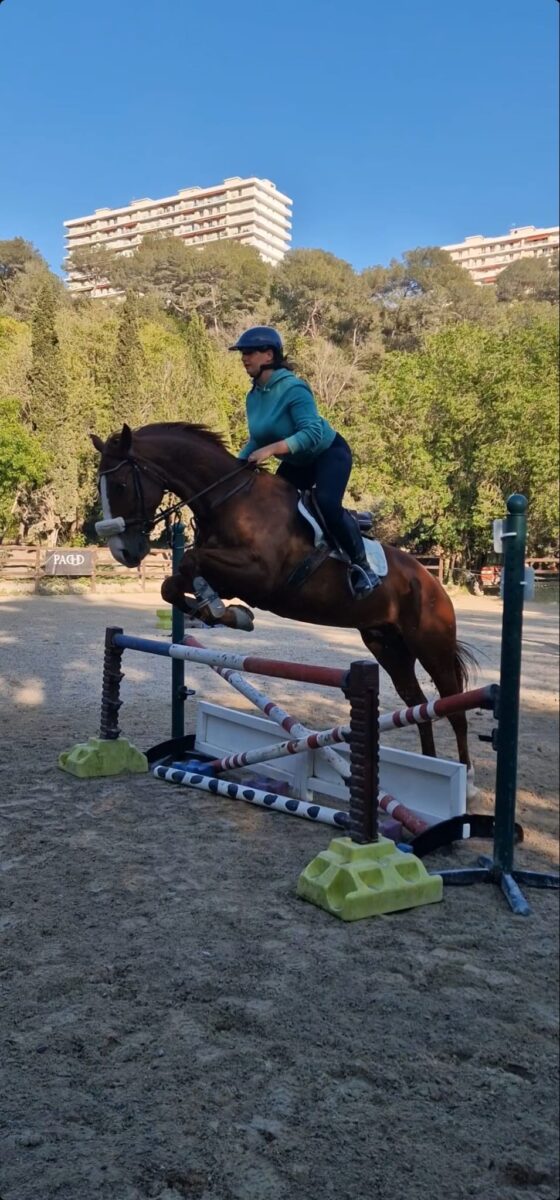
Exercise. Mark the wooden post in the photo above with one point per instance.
(111, 687)
(363, 693)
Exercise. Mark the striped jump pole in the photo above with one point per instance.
(360, 874)
(313, 741)
(273, 667)
(242, 791)
(360, 684)
(443, 706)
(279, 715)
(433, 710)
(320, 813)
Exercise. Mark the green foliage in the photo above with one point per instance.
(318, 295)
(446, 391)
(23, 272)
(424, 293)
(463, 422)
(55, 504)
(529, 278)
(127, 367)
(90, 263)
(15, 358)
(23, 464)
(15, 255)
(223, 282)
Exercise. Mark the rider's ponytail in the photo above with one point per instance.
(281, 362)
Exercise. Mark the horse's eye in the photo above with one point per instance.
(120, 487)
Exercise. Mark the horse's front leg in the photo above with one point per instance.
(173, 591)
(189, 591)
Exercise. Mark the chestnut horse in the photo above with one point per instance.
(250, 537)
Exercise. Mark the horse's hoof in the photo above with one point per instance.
(241, 618)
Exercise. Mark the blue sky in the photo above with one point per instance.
(392, 125)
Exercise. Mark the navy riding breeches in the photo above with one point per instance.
(329, 474)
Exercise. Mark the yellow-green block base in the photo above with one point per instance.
(163, 618)
(352, 881)
(98, 757)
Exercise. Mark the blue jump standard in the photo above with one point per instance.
(499, 868)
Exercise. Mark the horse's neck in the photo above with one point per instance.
(190, 463)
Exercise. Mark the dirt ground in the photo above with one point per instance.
(176, 1023)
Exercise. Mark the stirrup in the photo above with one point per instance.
(362, 581)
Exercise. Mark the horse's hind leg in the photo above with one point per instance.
(449, 680)
(398, 661)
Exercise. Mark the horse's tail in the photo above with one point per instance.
(465, 661)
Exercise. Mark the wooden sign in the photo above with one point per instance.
(69, 562)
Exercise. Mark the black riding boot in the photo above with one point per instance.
(363, 579)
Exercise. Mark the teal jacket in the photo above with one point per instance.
(285, 410)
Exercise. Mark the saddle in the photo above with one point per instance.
(364, 520)
(325, 545)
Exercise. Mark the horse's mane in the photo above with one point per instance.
(178, 427)
(208, 435)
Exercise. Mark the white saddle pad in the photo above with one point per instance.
(375, 553)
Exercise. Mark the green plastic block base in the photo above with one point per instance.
(352, 881)
(98, 757)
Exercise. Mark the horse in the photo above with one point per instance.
(250, 538)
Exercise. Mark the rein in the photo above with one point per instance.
(102, 527)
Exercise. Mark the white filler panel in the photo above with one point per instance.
(434, 788)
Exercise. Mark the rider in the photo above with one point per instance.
(284, 422)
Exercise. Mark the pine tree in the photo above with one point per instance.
(207, 378)
(55, 503)
(200, 352)
(127, 367)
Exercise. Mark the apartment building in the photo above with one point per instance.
(251, 211)
(485, 257)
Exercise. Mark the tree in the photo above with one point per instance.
(209, 379)
(424, 293)
(335, 373)
(15, 255)
(23, 464)
(463, 422)
(228, 282)
(127, 366)
(223, 281)
(55, 506)
(23, 271)
(15, 358)
(91, 263)
(529, 278)
(319, 295)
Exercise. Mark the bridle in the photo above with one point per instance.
(115, 525)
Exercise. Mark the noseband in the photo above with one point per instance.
(115, 525)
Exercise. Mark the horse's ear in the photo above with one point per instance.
(126, 440)
(97, 442)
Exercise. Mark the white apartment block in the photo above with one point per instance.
(485, 257)
(251, 211)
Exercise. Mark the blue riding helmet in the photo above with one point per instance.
(260, 337)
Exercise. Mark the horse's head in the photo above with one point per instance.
(130, 493)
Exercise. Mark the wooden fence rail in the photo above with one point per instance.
(34, 564)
